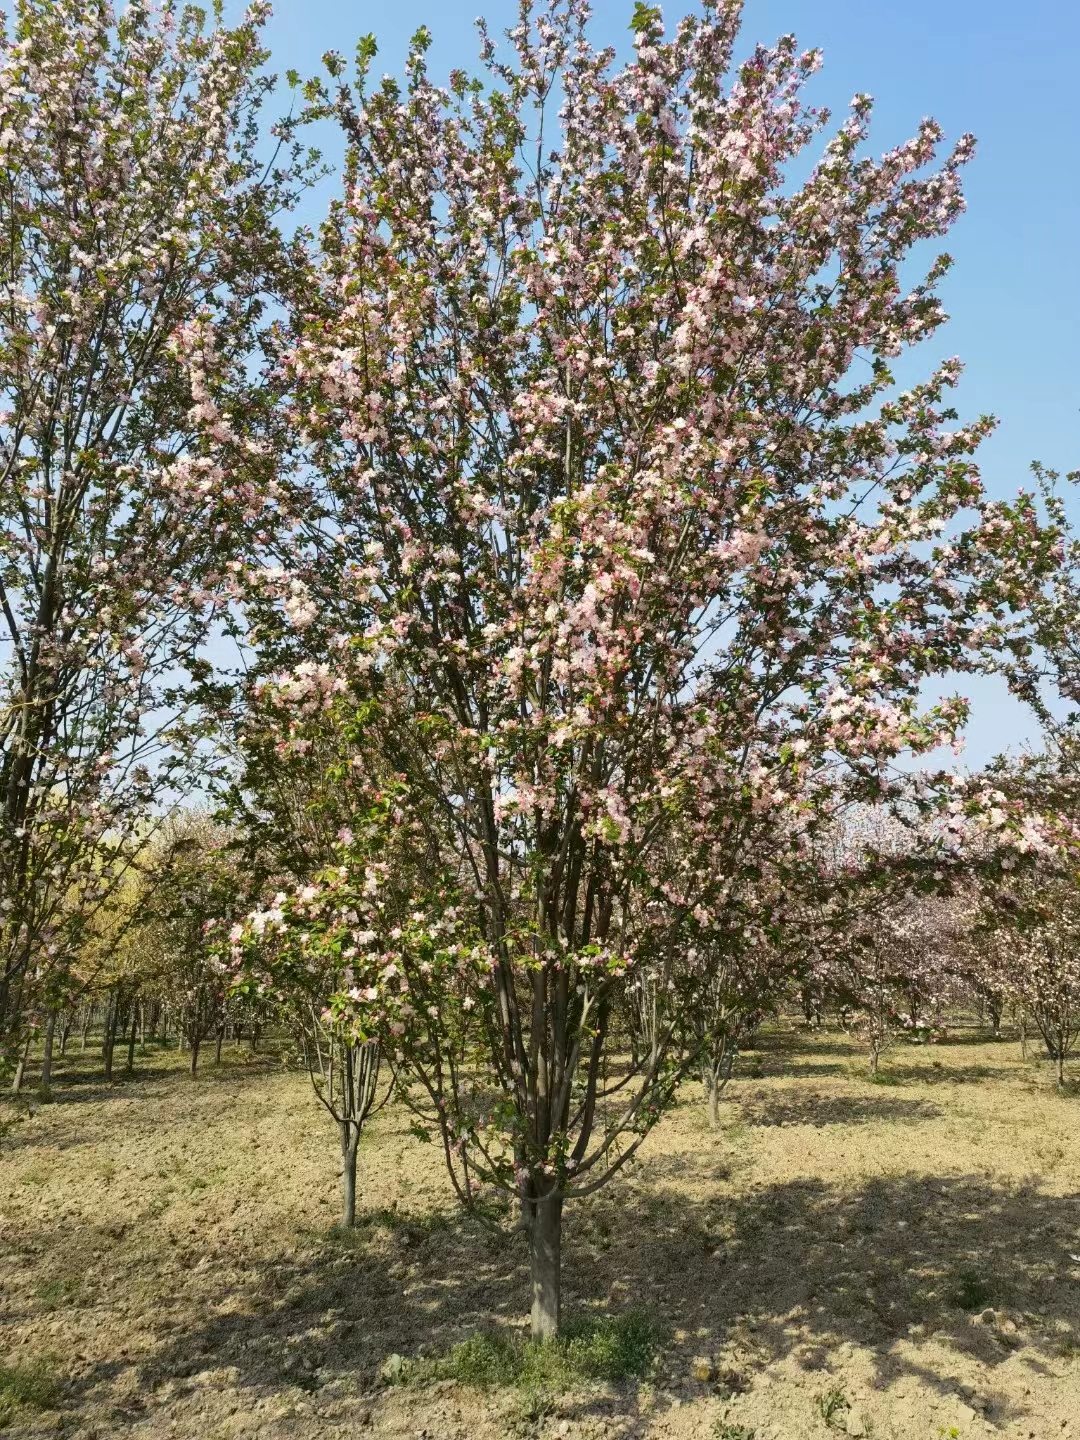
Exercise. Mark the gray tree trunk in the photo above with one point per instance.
(131, 1038)
(350, 1143)
(712, 1095)
(195, 1043)
(545, 1246)
(20, 1069)
(109, 1042)
(46, 1058)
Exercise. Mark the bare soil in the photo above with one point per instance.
(168, 1256)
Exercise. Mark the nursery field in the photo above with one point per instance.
(898, 1259)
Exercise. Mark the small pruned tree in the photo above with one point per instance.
(344, 1070)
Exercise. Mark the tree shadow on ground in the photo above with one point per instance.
(791, 1270)
(805, 1041)
(84, 1083)
(821, 1110)
(895, 1068)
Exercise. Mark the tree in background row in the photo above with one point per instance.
(131, 200)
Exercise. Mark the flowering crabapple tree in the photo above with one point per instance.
(1023, 864)
(132, 201)
(595, 489)
(305, 978)
(1032, 954)
(733, 980)
(889, 911)
(1041, 659)
(894, 977)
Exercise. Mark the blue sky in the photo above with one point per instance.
(1007, 72)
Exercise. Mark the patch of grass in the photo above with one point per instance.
(972, 1292)
(608, 1347)
(24, 1385)
(833, 1405)
(59, 1291)
(35, 1175)
(728, 1430)
(532, 1409)
(885, 1077)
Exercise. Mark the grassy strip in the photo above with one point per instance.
(607, 1347)
(24, 1385)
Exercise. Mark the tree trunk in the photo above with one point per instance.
(20, 1069)
(65, 1031)
(711, 1083)
(1061, 1067)
(995, 1008)
(545, 1245)
(195, 1043)
(873, 1058)
(713, 1098)
(350, 1143)
(86, 1025)
(46, 1059)
(110, 1035)
(131, 1038)
(220, 1038)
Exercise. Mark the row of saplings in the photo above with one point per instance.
(120, 1022)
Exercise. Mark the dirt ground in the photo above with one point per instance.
(168, 1256)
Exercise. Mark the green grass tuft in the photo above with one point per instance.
(833, 1405)
(29, 1385)
(59, 1291)
(608, 1347)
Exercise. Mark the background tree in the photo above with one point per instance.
(194, 893)
(1031, 953)
(131, 200)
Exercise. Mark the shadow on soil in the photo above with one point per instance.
(80, 1080)
(821, 1110)
(795, 1269)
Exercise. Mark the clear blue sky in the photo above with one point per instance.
(1005, 71)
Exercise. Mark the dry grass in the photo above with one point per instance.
(170, 1268)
